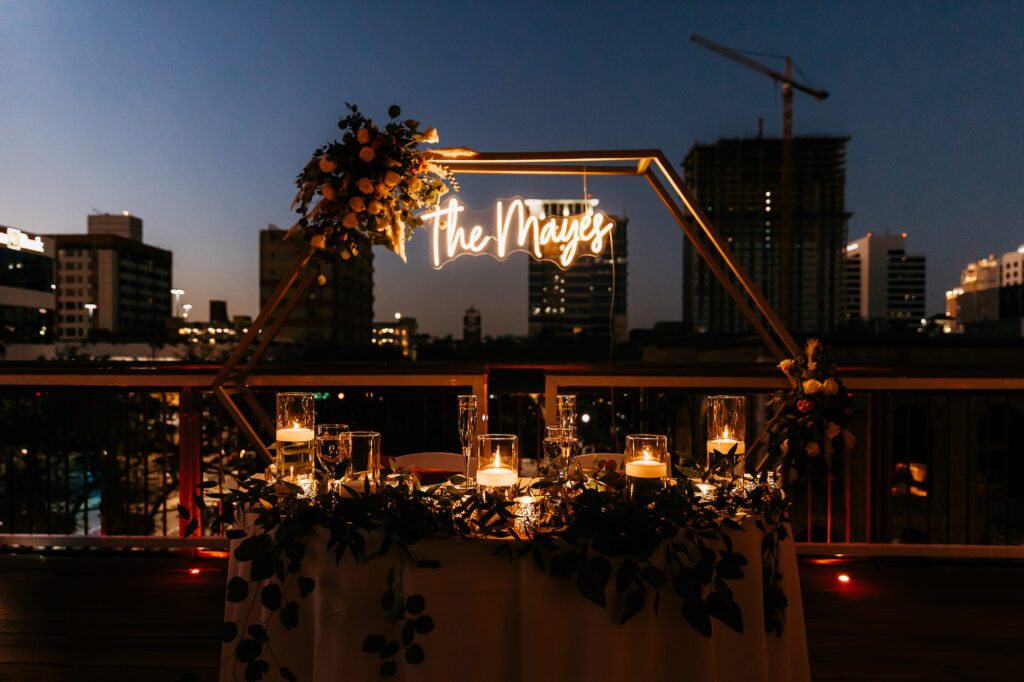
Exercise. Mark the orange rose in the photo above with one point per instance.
(318, 241)
(391, 178)
(365, 185)
(327, 191)
(367, 154)
(326, 165)
(363, 136)
(356, 204)
(414, 184)
(350, 220)
(374, 207)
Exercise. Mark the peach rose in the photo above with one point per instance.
(380, 190)
(350, 220)
(786, 365)
(326, 165)
(414, 184)
(318, 241)
(356, 204)
(365, 185)
(374, 207)
(812, 386)
(391, 178)
(830, 386)
(367, 154)
(363, 136)
(431, 136)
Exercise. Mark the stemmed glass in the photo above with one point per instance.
(333, 446)
(467, 428)
(566, 404)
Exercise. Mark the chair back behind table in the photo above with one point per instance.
(435, 467)
(601, 460)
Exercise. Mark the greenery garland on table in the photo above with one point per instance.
(591, 537)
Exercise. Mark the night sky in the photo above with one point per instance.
(197, 117)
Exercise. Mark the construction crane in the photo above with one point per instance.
(785, 248)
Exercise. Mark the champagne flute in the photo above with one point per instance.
(467, 428)
(566, 404)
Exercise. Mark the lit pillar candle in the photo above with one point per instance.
(295, 434)
(496, 476)
(646, 467)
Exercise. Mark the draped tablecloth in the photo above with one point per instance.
(509, 622)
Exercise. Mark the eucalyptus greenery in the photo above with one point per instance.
(618, 554)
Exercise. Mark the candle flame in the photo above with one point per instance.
(726, 435)
(647, 455)
(497, 458)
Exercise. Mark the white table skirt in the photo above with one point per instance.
(502, 621)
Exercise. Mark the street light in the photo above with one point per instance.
(186, 308)
(91, 307)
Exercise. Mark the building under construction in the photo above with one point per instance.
(738, 183)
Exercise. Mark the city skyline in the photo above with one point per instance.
(202, 138)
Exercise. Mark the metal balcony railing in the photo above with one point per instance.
(100, 455)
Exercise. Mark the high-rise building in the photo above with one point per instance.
(111, 284)
(990, 298)
(589, 299)
(737, 182)
(399, 333)
(27, 300)
(218, 311)
(340, 311)
(471, 327)
(882, 281)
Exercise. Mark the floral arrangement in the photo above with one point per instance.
(369, 182)
(811, 418)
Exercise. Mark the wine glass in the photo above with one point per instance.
(333, 446)
(467, 427)
(566, 404)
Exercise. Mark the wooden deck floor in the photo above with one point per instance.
(893, 621)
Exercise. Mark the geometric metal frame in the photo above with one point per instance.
(231, 380)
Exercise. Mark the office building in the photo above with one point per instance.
(737, 182)
(471, 327)
(589, 299)
(27, 299)
(882, 281)
(340, 311)
(110, 284)
(990, 298)
(399, 333)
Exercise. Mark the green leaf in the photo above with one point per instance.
(287, 674)
(290, 615)
(424, 624)
(388, 669)
(253, 671)
(259, 633)
(235, 534)
(247, 650)
(654, 576)
(408, 632)
(199, 501)
(387, 600)
(428, 563)
(190, 527)
(271, 597)
(228, 631)
(262, 567)
(306, 585)
(696, 614)
(728, 569)
(373, 643)
(203, 485)
(238, 589)
(414, 603)
(414, 655)
(726, 611)
(390, 649)
(254, 546)
(183, 512)
(394, 111)
(593, 578)
(634, 603)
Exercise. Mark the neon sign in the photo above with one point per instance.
(560, 239)
(16, 240)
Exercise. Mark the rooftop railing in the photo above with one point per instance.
(103, 455)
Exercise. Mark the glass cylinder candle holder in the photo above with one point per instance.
(497, 464)
(294, 436)
(364, 456)
(646, 464)
(727, 428)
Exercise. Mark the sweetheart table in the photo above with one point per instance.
(509, 621)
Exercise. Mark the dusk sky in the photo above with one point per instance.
(198, 116)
